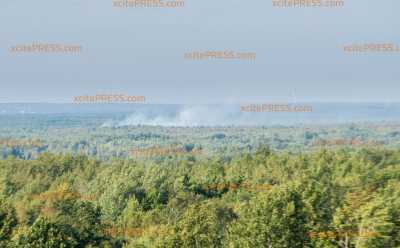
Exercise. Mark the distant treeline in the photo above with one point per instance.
(83, 135)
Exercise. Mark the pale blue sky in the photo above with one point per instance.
(140, 51)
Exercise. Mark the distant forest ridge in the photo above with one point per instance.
(212, 115)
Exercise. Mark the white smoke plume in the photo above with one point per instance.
(204, 115)
(189, 116)
(230, 115)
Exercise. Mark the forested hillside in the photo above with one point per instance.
(325, 198)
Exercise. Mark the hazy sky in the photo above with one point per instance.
(139, 51)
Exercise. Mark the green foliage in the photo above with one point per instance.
(44, 234)
(240, 192)
(8, 222)
(201, 226)
(274, 219)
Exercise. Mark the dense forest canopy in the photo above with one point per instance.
(64, 185)
(340, 198)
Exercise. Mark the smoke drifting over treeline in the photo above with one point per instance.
(230, 115)
(174, 115)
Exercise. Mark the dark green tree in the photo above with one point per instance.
(45, 234)
(277, 219)
(8, 221)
